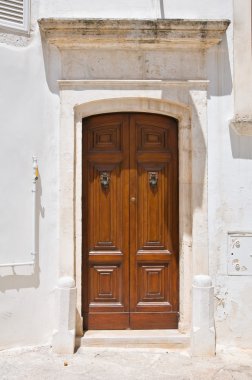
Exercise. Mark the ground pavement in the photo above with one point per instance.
(122, 363)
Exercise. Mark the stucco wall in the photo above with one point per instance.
(29, 120)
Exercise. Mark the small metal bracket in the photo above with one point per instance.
(105, 179)
(35, 168)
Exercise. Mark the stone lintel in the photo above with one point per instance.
(132, 33)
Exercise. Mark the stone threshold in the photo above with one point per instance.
(170, 339)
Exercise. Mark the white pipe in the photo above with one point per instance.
(34, 210)
(34, 198)
(17, 264)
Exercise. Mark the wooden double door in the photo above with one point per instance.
(130, 221)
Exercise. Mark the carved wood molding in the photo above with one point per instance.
(130, 33)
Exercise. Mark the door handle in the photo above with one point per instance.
(104, 180)
(133, 199)
(153, 179)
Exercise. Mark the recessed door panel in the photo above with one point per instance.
(130, 221)
(105, 193)
(152, 206)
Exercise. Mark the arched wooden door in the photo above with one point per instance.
(130, 221)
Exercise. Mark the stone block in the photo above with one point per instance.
(203, 329)
(64, 335)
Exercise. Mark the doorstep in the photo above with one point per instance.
(170, 339)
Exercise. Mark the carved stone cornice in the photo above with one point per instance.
(242, 126)
(130, 33)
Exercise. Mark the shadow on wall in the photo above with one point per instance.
(219, 70)
(162, 14)
(16, 280)
(241, 145)
(52, 66)
(200, 151)
(199, 170)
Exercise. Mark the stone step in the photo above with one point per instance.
(135, 338)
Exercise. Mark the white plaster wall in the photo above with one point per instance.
(135, 9)
(29, 124)
(230, 196)
(230, 202)
(243, 58)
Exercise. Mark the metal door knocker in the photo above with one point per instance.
(153, 179)
(104, 180)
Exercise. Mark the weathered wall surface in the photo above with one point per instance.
(30, 125)
(230, 197)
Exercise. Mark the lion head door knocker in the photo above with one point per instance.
(105, 180)
(153, 179)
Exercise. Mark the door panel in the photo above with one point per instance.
(130, 221)
(105, 220)
(153, 235)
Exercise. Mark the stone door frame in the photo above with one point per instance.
(184, 100)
